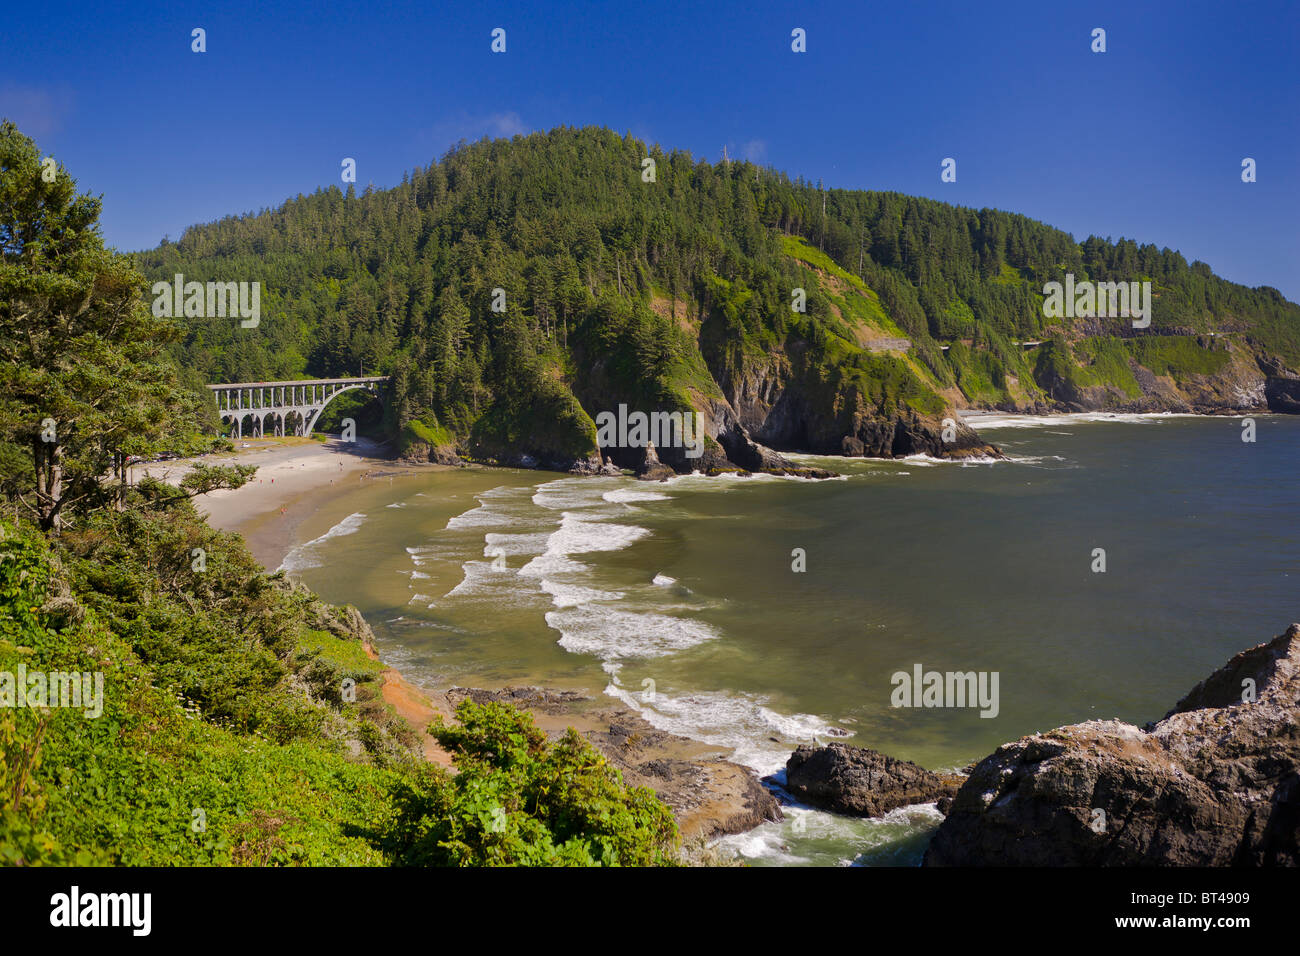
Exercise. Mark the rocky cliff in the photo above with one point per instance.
(1216, 782)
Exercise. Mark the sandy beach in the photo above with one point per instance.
(294, 477)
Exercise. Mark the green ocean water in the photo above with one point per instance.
(679, 598)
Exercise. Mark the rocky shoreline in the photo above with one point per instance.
(1215, 782)
(709, 795)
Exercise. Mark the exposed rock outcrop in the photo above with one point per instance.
(419, 452)
(861, 782)
(1282, 394)
(651, 468)
(751, 456)
(593, 464)
(1216, 782)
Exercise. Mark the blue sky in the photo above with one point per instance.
(1145, 140)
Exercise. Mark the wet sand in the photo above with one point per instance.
(295, 478)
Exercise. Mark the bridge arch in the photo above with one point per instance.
(314, 416)
(295, 405)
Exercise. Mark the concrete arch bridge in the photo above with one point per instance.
(285, 408)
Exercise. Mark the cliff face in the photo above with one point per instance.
(1216, 782)
(1187, 374)
(793, 404)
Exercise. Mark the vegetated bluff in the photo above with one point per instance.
(677, 295)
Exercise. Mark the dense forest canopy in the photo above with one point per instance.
(235, 718)
(668, 281)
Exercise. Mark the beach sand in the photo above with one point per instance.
(295, 476)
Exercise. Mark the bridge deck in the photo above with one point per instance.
(304, 381)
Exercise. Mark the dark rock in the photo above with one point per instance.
(713, 461)
(861, 782)
(749, 454)
(591, 465)
(651, 468)
(1214, 783)
(1282, 395)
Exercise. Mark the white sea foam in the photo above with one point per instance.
(578, 536)
(482, 516)
(570, 493)
(980, 421)
(613, 634)
(626, 495)
(741, 722)
(308, 555)
(663, 581)
(574, 595)
(484, 578)
(551, 564)
(807, 830)
(514, 544)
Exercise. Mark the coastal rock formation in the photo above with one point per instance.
(861, 782)
(593, 464)
(1282, 394)
(421, 452)
(1216, 782)
(709, 796)
(751, 456)
(651, 468)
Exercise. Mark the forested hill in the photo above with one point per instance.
(678, 293)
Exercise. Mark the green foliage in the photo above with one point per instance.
(84, 376)
(223, 703)
(1177, 356)
(521, 800)
(435, 434)
(237, 719)
(402, 280)
(1106, 362)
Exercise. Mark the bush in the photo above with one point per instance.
(521, 800)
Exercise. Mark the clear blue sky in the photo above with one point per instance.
(1145, 140)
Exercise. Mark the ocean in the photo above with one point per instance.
(1106, 567)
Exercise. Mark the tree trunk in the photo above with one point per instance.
(49, 485)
